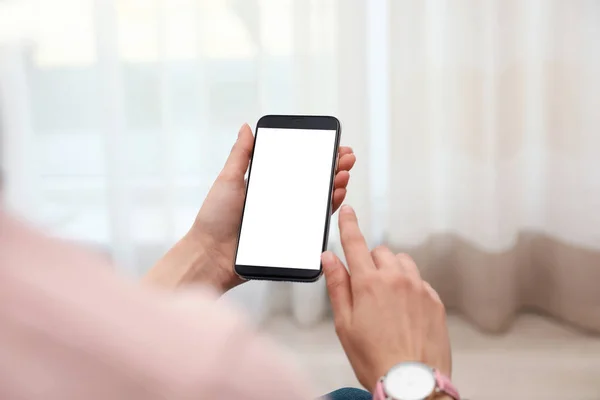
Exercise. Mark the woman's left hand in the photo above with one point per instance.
(205, 255)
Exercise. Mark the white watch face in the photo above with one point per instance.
(409, 381)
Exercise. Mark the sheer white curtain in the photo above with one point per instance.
(494, 177)
(118, 114)
(475, 123)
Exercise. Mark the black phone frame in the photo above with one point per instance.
(256, 272)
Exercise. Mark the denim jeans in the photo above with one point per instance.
(349, 394)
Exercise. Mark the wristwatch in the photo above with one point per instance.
(414, 381)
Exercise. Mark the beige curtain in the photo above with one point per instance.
(494, 151)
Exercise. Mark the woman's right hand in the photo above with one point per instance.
(384, 312)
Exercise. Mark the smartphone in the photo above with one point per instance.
(287, 210)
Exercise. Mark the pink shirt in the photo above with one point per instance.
(70, 329)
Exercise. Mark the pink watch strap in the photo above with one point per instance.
(379, 394)
(444, 385)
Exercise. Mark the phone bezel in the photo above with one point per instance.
(256, 272)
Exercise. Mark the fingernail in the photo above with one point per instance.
(346, 209)
(328, 257)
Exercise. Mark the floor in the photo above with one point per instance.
(538, 359)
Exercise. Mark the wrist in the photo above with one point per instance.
(377, 373)
(398, 379)
(188, 262)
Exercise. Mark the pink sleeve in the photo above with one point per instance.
(69, 329)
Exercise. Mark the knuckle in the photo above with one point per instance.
(413, 286)
(422, 292)
(348, 236)
(347, 219)
(334, 282)
(335, 279)
(407, 261)
(383, 254)
(434, 297)
(381, 249)
(368, 282)
(400, 281)
(404, 257)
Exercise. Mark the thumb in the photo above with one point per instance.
(237, 162)
(338, 286)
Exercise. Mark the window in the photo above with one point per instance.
(144, 141)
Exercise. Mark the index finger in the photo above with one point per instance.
(355, 247)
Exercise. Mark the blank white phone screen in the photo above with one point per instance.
(288, 195)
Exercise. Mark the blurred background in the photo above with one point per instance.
(476, 125)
